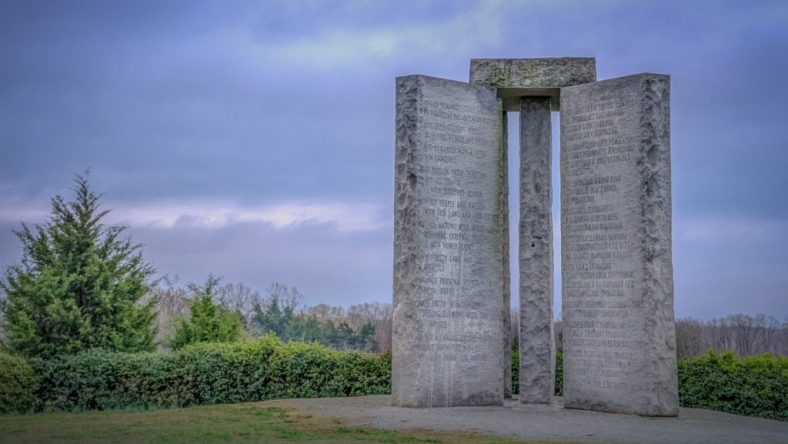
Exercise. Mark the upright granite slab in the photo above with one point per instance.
(448, 268)
(537, 345)
(618, 319)
(538, 77)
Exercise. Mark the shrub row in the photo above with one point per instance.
(753, 386)
(207, 374)
(268, 369)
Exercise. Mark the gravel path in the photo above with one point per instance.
(552, 423)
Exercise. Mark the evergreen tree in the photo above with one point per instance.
(78, 285)
(294, 328)
(209, 321)
(270, 319)
(277, 318)
(365, 338)
(344, 335)
(291, 325)
(330, 335)
(311, 329)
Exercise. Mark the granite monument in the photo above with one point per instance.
(451, 325)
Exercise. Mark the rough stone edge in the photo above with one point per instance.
(656, 240)
(407, 92)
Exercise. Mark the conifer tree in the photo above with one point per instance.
(209, 321)
(78, 284)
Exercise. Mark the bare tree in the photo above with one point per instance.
(324, 312)
(689, 338)
(377, 314)
(514, 330)
(171, 302)
(558, 334)
(742, 334)
(242, 299)
(286, 297)
(384, 331)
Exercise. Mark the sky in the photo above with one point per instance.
(255, 140)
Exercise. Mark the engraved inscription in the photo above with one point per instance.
(619, 332)
(455, 170)
(601, 281)
(447, 270)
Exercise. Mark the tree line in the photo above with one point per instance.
(742, 334)
(279, 310)
(80, 284)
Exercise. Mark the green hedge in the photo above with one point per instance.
(269, 369)
(17, 385)
(516, 372)
(559, 373)
(208, 374)
(754, 386)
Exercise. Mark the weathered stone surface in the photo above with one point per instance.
(537, 349)
(507, 321)
(448, 268)
(506, 282)
(618, 319)
(515, 78)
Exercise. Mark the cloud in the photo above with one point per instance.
(720, 229)
(344, 217)
(476, 27)
(249, 140)
(325, 264)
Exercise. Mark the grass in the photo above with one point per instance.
(210, 424)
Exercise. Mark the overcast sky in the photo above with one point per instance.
(255, 140)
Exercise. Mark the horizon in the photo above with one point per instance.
(256, 142)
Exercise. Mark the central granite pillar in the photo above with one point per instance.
(537, 350)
